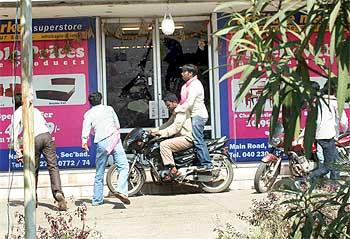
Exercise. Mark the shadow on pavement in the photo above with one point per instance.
(150, 188)
(116, 204)
(15, 203)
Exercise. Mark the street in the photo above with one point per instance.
(178, 216)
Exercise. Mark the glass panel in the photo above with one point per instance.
(188, 45)
(129, 72)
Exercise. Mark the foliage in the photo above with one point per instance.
(316, 212)
(229, 232)
(61, 226)
(266, 215)
(265, 218)
(270, 46)
(298, 210)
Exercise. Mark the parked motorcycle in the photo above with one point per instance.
(143, 151)
(299, 164)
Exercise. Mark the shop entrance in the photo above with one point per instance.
(142, 64)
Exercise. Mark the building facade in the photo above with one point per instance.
(119, 49)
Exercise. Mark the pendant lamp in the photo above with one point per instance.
(168, 25)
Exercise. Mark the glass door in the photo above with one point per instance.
(142, 65)
(130, 72)
(188, 45)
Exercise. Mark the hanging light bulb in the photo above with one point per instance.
(168, 25)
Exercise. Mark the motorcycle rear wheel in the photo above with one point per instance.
(263, 179)
(224, 180)
(136, 179)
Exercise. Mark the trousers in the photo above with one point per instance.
(170, 146)
(45, 145)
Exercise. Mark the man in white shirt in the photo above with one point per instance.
(327, 129)
(105, 123)
(45, 145)
(192, 100)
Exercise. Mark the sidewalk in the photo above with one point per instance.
(181, 216)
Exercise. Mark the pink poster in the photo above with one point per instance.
(248, 142)
(63, 75)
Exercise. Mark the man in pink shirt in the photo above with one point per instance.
(192, 100)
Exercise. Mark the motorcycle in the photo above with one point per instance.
(143, 150)
(299, 165)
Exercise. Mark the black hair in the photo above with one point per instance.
(190, 68)
(18, 100)
(171, 97)
(95, 98)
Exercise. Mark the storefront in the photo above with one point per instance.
(128, 59)
(64, 71)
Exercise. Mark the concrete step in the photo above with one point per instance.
(79, 183)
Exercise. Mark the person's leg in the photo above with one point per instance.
(321, 170)
(331, 156)
(165, 152)
(38, 147)
(122, 163)
(167, 147)
(198, 124)
(320, 157)
(101, 159)
(49, 151)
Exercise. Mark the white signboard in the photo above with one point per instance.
(158, 109)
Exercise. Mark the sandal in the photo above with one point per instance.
(173, 173)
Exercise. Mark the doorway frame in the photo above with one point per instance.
(157, 62)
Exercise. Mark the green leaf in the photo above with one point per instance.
(232, 4)
(308, 226)
(290, 115)
(320, 36)
(247, 84)
(332, 47)
(243, 42)
(291, 213)
(275, 114)
(224, 31)
(280, 13)
(235, 71)
(247, 72)
(310, 4)
(259, 108)
(291, 201)
(310, 129)
(334, 15)
(343, 76)
(235, 38)
(343, 80)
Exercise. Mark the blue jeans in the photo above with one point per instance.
(330, 156)
(198, 124)
(119, 158)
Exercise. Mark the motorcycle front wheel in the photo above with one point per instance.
(136, 179)
(266, 175)
(223, 181)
